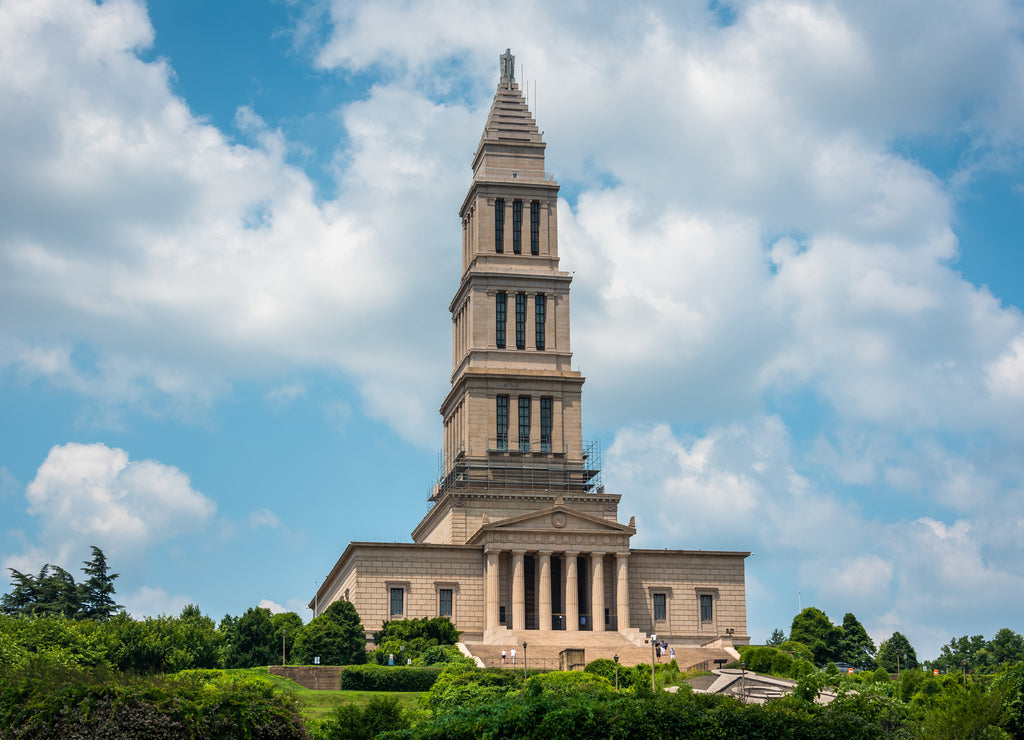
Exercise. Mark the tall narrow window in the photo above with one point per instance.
(502, 428)
(524, 423)
(539, 319)
(500, 301)
(517, 226)
(705, 608)
(520, 320)
(499, 225)
(397, 602)
(545, 425)
(534, 227)
(659, 607)
(444, 605)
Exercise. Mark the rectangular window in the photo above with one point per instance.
(545, 425)
(500, 301)
(540, 312)
(501, 615)
(499, 225)
(502, 422)
(524, 423)
(659, 607)
(444, 606)
(517, 226)
(397, 602)
(705, 607)
(520, 320)
(535, 227)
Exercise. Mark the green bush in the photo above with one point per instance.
(355, 722)
(44, 700)
(387, 678)
(460, 686)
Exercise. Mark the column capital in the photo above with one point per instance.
(549, 553)
(571, 553)
(519, 552)
(621, 555)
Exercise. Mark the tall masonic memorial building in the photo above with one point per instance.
(522, 542)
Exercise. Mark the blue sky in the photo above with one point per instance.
(229, 234)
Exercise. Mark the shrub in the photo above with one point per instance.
(460, 686)
(48, 701)
(385, 678)
(354, 722)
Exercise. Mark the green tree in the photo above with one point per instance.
(777, 638)
(287, 625)
(322, 638)
(813, 628)
(251, 640)
(971, 651)
(97, 592)
(900, 646)
(1006, 646)
(858, 649)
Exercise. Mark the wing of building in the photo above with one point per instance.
(522, 542)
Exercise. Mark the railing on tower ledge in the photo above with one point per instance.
(503, 174)
(508, 465)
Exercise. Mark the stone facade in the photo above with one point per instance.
(522, 538)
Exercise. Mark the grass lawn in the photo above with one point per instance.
(318, 704)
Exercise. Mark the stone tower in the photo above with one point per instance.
(513, 438)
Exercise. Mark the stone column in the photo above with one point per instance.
(491, 582)
(597, 590)
(622, 589)
(544, 591)
(518, 590)
(572, 595)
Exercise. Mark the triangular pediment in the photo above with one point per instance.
(554, 519)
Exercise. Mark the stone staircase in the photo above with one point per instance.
(543, 648)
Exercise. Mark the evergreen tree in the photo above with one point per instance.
(344, 614)
(97, 593)
(778, 637)
(897, 645)
(857, 647)
(813, 628)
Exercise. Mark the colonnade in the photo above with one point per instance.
(569, 588)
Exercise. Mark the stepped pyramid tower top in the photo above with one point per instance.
(513, 417)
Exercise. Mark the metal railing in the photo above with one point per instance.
(503, 173)
(536, 468)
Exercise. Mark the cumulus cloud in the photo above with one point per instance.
(153, 602)
(273, 606)
(92, 494)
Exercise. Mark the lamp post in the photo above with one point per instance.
(524, 660)
(743, 682)
(897, 665)
(283, 661)
(964, 664)
(654, 638)
(616, 671)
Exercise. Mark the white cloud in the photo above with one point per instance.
(273, 606)
(92, 494)
(153, 602)
(264, 518)
(743, 487)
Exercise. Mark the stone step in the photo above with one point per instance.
(546, 655)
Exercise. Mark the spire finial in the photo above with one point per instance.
(508, 66)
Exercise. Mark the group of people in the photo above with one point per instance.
(511, 654)
(662, 648)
